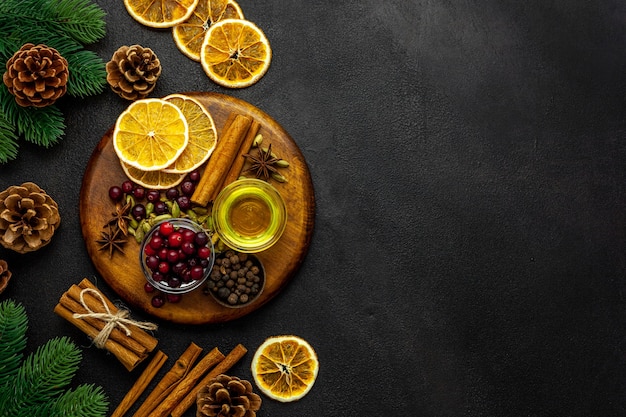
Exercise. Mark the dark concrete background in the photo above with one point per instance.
(469, 164)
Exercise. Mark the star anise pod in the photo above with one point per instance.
(111, 240)
(121, 217)
(263, 163)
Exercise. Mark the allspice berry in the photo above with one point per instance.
(133, 72)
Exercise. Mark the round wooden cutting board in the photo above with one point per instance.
(122, 271)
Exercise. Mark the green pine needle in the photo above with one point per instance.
(8, 141)
(37, 385)
(66, 25)
(13, 326)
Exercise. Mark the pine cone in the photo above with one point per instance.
(36, 75)
(133, 72)
(5, 275)
(28, 217)
(226, 396)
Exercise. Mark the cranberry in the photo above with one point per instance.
(138, 212)
(148, 287)
(201, 239)
(186, 275)
(174, 298)
(152, 262)
(162, 253)
(164, 267)
(158, 301)
(157, 276)
(179, 268)
(149, 250)
(194, 176)
(127, 186)
(172, 193)
(174, 282)
(172, 256)
(188, 248)
(204, 252)
(197, 272)
(187, 187)
(156, 242)
(116, 193)
(139, 193)
(160, 207)
(183, 202)
(188, 235)
(166, 228)
(175, 239)
(153, 196)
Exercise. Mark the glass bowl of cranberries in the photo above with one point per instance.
(176, 256)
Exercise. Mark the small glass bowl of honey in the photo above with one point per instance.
(249, 215)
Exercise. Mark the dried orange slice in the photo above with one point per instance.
(189, 35)
(155, 180)
(202, 134)
(150, 134)
(160, 13)
(285, 367)
(235, 53)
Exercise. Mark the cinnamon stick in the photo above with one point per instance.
(169, 381)
(240, 160)
(225, 152)
(182, 389)
(140, 335)
(140, 384)
(221, 368)
(129, 359)
(68, 301)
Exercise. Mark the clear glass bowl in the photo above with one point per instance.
(164, 282)
(249, 215)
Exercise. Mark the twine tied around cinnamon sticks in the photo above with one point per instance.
(109, 327)
(120, 319)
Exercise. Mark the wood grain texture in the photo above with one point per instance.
(122, 272)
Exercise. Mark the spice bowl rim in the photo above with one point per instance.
(271, 192)
(183, 289)
(251, 300)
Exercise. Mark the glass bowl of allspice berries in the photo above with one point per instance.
(236, 279)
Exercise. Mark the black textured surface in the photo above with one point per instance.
(469, 164)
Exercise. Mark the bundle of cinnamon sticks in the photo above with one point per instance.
(177, 390)
(85, 307)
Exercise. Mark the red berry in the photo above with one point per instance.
(127, 186)
(201, 239)
(116, 193)
(148, 287)
(197, 272)
(152, 262)
(188, 248)
(172, 256)
(204, 252)
(175, 239)
(162, 254)
(149, 251)
(139, 193)
(158, 301)
(153, 196)
(164, 267)
(166, 228)
(174, 298)
(194, 176)
(156, 242)
(188, 235)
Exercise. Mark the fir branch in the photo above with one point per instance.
(42, 126)
(13, 326)
(43, 376)
(86, 400)
(8, 151)
(87, 74)
(80, 20)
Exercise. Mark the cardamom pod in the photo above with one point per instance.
(281, 163)
(278, 177)
(258, 139)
